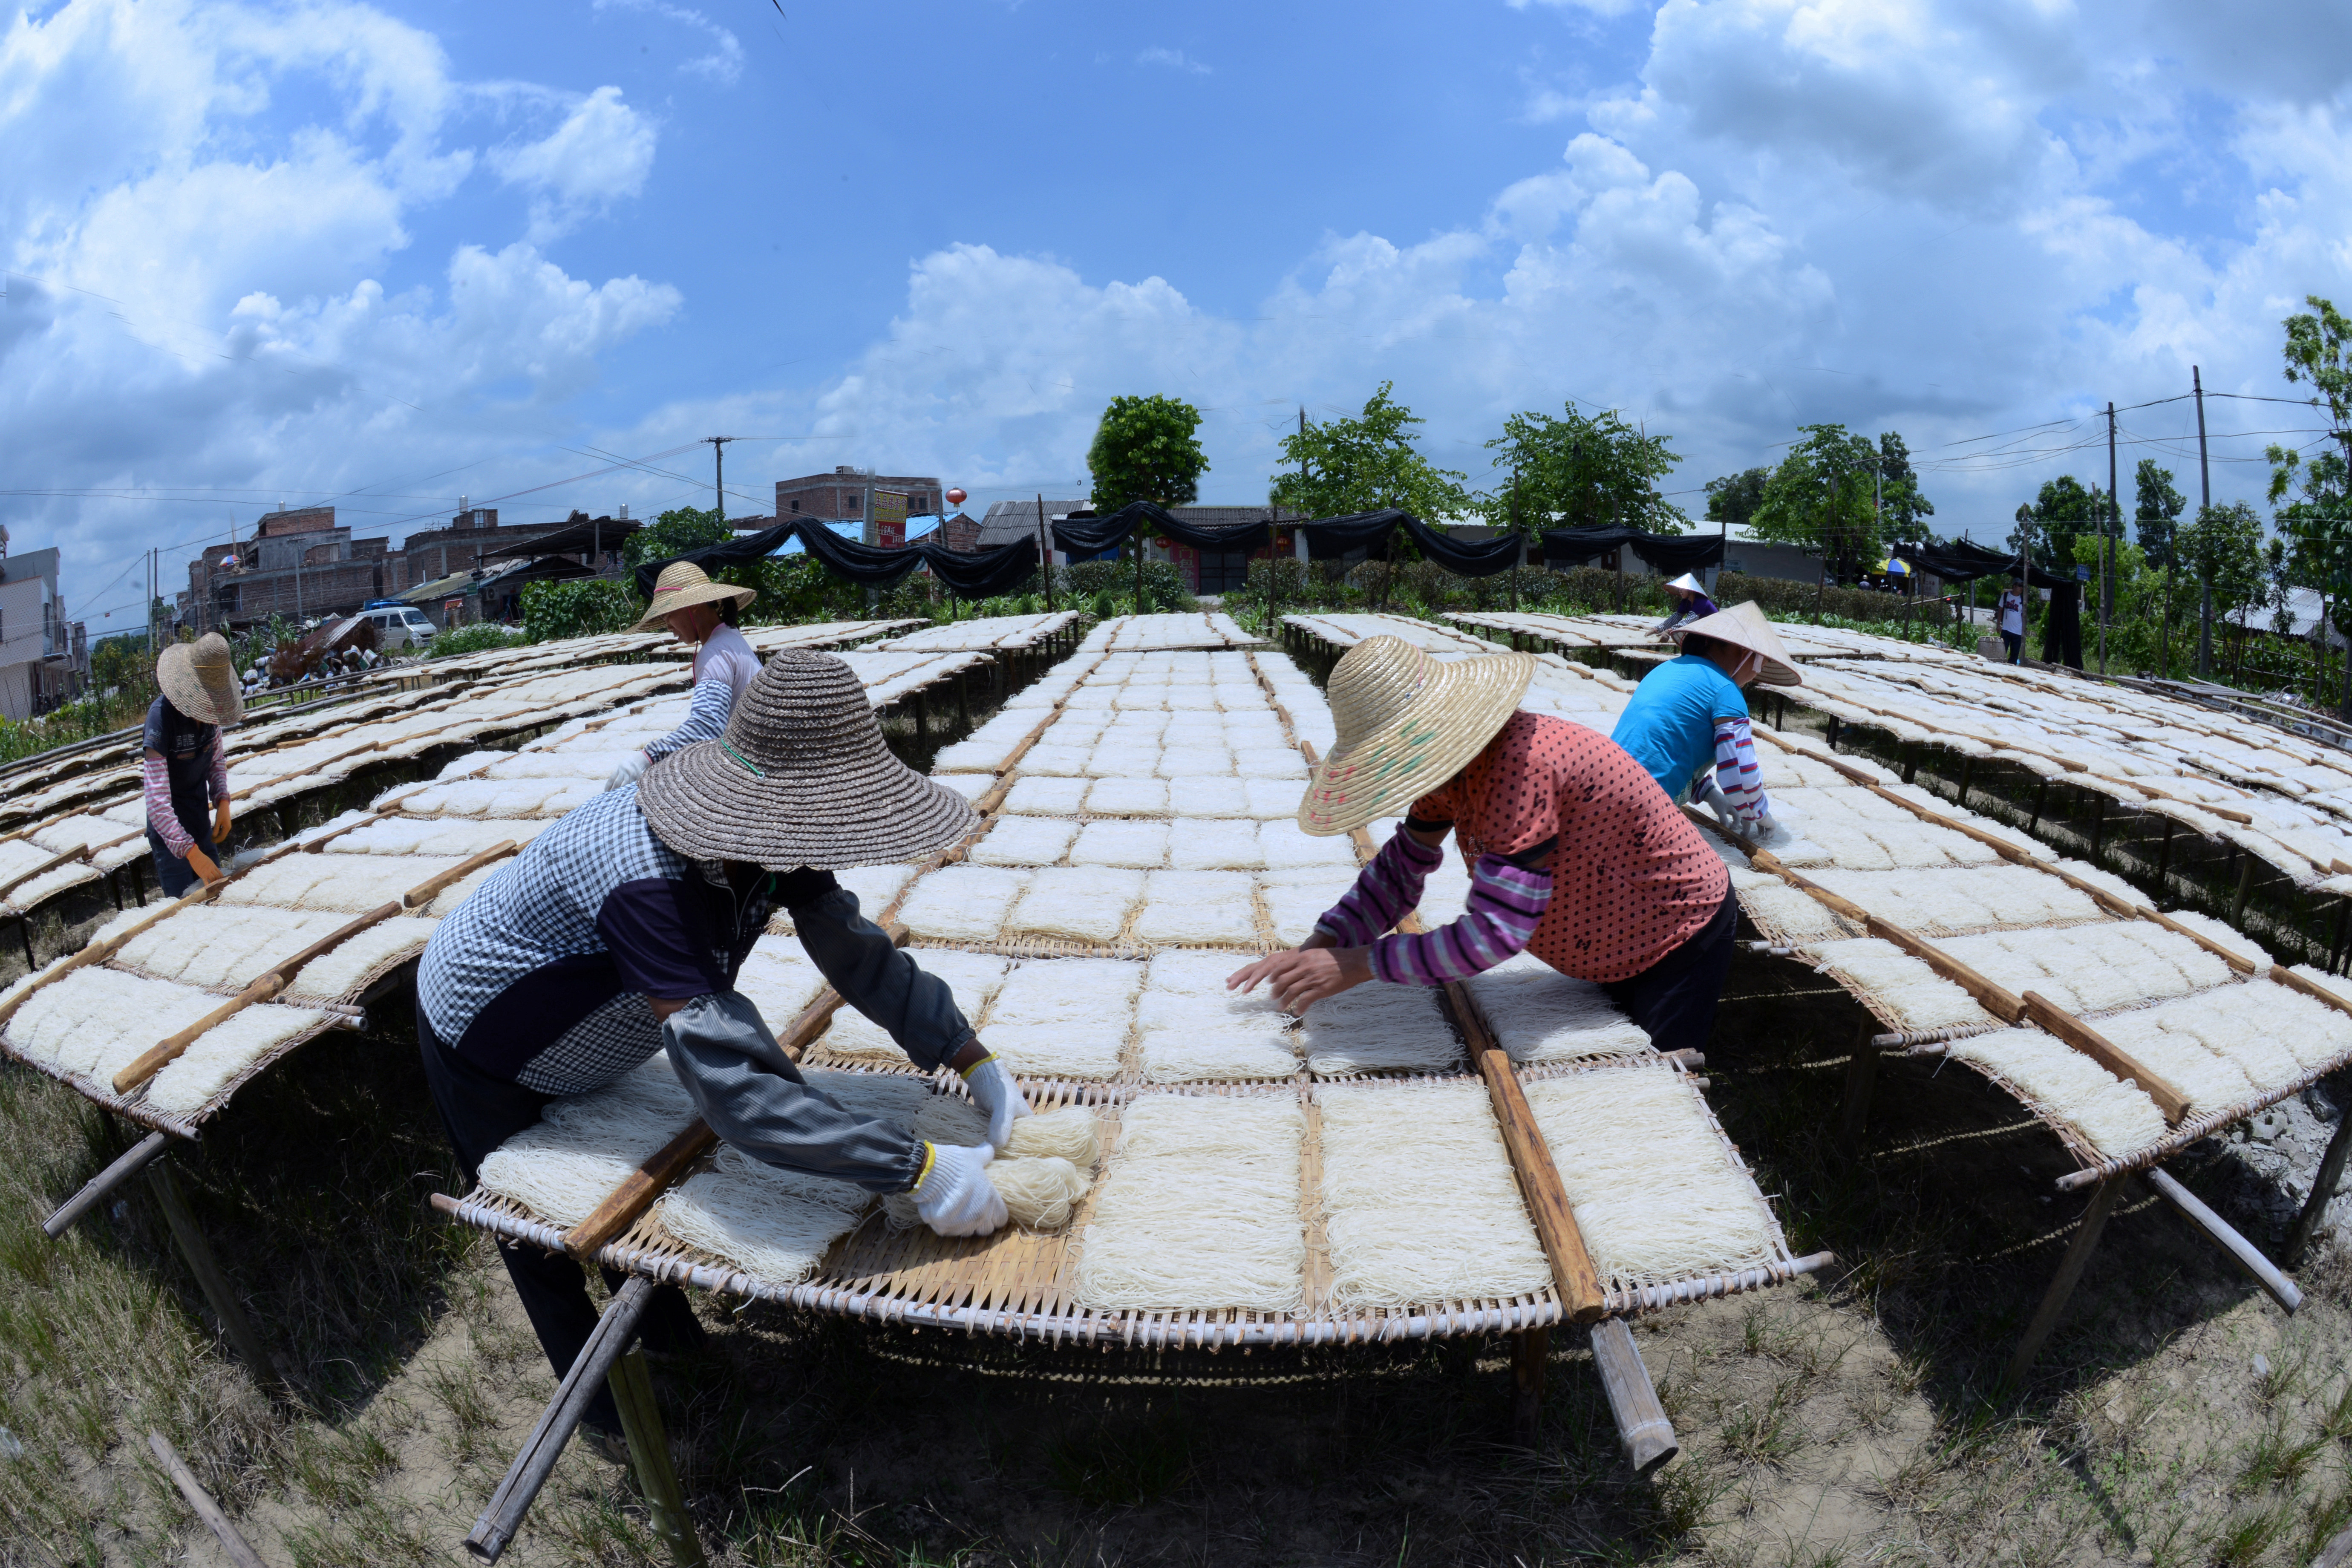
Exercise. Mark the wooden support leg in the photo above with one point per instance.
(632, 1391)
(2040, 799)
(2164, 857)
(1529, 1351)
(240, 1550)
(2224, 1234)
(2245, 886)
(1861, 1078)
(2070, 1274)
(2098, 824)
(1642, 1423)
(209, 1279)
(115, 886)
(25, 930)
(2343, 930)
(963, 703)
(922, 720)
(1968, 768)
(1910, 762)
(1834, 731)
(2323, 1188)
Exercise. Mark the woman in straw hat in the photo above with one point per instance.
(1690, 602)
(184, 764)
(694, 609)
(1575, 855)
(619, 933)
(1688, 723)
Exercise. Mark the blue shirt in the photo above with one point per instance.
(1669, 726)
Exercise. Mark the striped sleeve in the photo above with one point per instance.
(217, 778)
(1735, 772)
(1385, 892)
(1507, 903)
(156, 775)
(706, 717)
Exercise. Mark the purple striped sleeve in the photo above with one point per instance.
(157, 779)
(1385, 892)
(218, 777)
(1499, 919)
(1735, 772)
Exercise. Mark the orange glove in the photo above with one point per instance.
(202, 865)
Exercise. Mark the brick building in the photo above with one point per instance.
(840, 495)
(298, 563)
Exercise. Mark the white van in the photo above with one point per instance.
(398, 628)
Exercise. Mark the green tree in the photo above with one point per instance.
(2156, 510)
(1733, 497)
(1819, 496)
(1366, 463)
(2224, 546)
(675, 532)
(1581, 471)
(1146, 449)
(2318, 357)
(1901, 505)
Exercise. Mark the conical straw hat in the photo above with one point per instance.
(801, 777)
(1689, 582)
(1405, 724)
(200, 678)
(1743, 626)
(681, 584)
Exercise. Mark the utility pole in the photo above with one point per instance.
(2112, 523)
(1045, 552)
(2204, 504)
(718, 476)
(1518, 545)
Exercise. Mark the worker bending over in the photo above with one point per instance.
(1688, 723)
(694, 609)
(185, 763)
(1688, 595)
(619, 933)
(1575, 855)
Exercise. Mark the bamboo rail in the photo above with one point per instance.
(61, 857)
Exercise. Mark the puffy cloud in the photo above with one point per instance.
(602, 152)
(1174, 59)
(722, 65)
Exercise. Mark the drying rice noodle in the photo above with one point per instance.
(1790, 912)
(973, 977)
(1296, 900)
(1378, 1028)
(2064, 1085)
(98, 1021)
(1024, 841)
(1064, 1017)
(2092, 968)
(1657, 1195)
(1199, 1209)
(454, 838)
(776, 1225)
(1041, 796)
(1206, 845)
(1082, 903)
(1903, 987)
(2224, 936)
(1127, 797)
(1196, 909)
(780, 980)
(1211, 798)
(1129, 843)
(1538, 1015)
(1287, 846)
(961, 904)
(1420, 1206)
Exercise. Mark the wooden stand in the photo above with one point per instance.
(632, 1391)
(1529, 1351)
(209, 1279)
(238, 1550)
(2323, 1188)
(1642, 1423)
(2070, 1274)
(1861, 1078)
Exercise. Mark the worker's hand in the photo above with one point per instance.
(202, 865)
(220, 824)
(993, 1091)
(1304, 977)
(1710, 793)
(629, 772)
(955, 1196)
(1770, 830)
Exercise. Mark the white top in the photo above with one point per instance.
(2012, 613)
(727, 657)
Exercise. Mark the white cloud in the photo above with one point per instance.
(722, 65)
(1174, 59)
(601, 152)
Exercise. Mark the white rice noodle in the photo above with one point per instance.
(962, 904)
(776, 1225)
(1791, 912)
(2092, 968)
(1965, 898)
(1189, 1032)
(454, 838)
(1378, 1028)
(2266, 1034)
(502, 797)
(98, 1021)
(1024, 841)
(1063, 1017)
(1657, 1195)
(1538, 1015)
(1035, 795)
(1296, 900)
(1196, 909)
(1079, 904)
(2224, 936)
(779, 980)
(1199, 1209)
(1207, 844)
(2064, 1085)
(1900, 983)
(19, 856)
(1211, 798)
(1287, 846)
(1127, 797)
(973, 977)
(1420, 1204)
(350, 884)
(343, 972)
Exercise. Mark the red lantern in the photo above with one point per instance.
(955, 497)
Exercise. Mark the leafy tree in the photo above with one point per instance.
(1819, 496)
(2063, 509)
(1900, 505)
(1146, 449)
(2224, 545)
(1366, 463)
(579, 607)
(1581, 471)
(1733, 497)
(675, 532)
(2319, 355)
(2157, 511)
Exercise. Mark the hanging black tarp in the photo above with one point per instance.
(739, 551)
(2062, 628)
(978, 575)
(1336, 538)
(982, 574)
(1465, 557)
(1961, 561)
(1090, 535)
(1670, 555)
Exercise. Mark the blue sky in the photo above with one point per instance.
(387, 255)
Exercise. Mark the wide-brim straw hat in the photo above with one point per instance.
(1405, 723)
(1743, 626)
(1689, 582)
(681, 584)
(801, 777)
(200, 680)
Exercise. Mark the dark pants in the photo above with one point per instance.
(2015, 643)
(173, 871)
(479, 1111)
(1674, 1000)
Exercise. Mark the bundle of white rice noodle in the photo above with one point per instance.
(1063, 1017)
(1287, 846)
(1191, 1029)
(1538, 1015)
(1202, 844)
(1078, 903)
(962, 904)
(2265, 1034)
(1791, 912)
(1296, 900)
(1420, 1206)
(2092, 968)
(1966, 898)
(1035, 795)
(568, 763)
(351, 884)
(20, 856)
(1378, 1028)
(1199, 1209)
(779, 980)
(1024, 841)
(452, 838)
(95, 831)
(876, 888)
(1197, 909)
(1045, 1170)
(973, 977)
(1657, 1195)
(1127, 797)
(776, 1225)
(1900, 984)
(2226, 937)
(98, 1021)
(584, 1146)
(2064, 1085)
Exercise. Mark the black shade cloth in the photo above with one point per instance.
(1669, 553)
(1465, 557)
(1091, 535)
(1336, 538)
(1961, 561)
(975, 576)
(2062, 628)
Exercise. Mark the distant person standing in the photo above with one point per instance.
(185, 764)
(2009, 615)
(694, 609)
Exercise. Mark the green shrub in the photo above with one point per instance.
(584, 606)
(1103, 607)
(476, 639)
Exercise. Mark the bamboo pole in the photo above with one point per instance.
(61, 857)
(240, 1551)
(2323, 1189)
(641, 1425)
(2225, 1235)
(2057, 1021)
(198, 1255)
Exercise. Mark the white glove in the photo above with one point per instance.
(1769, 831)
(1710, 793)
(955, 1196)
(629, 772)
(993, 1091)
